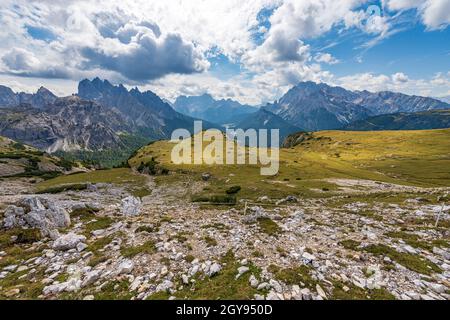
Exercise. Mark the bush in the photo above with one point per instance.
(65, 164)
(233, 190)
(28, 236)
(83, 212)
(18, 146)
(216, 199)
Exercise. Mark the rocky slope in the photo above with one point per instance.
(319, 106)
(207, 108)
(68, 124)
(21, 161)
(102, 243)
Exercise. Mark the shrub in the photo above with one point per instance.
(233, 190)
(216, 199)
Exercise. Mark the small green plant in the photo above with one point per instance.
(233, 190)
(99, 223)
(411, 261)
(291, 276)
(84, 213)
(216, 199)
(146, 248)
(146, 228)
(268, 226)
(210, 242)
(355, 293)
(350, 244)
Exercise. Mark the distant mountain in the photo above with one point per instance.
(435, 119)
(444, 99)
(318, 107)
(263, 119)
(9, 98)
(207, 108)
(315, 106)
(145, 111)
(67, 125)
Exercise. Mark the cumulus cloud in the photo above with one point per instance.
(165, 45)
(139, 52)
(22, 62)
(326, 58)
(437, 85)
(91, 38)
(400, 77)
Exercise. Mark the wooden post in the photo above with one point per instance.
(440, 212)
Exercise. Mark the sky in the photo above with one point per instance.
(251, 51)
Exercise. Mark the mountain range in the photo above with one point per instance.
(147, 113)
(102, 116)
(317, 107)
(434, 119)
(9, 98)
(207, 108)
(263, 119)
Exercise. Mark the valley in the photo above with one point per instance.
(351, 215)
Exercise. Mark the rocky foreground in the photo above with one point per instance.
(103, 243)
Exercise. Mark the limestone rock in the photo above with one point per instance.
(68, 241)
(131, 206)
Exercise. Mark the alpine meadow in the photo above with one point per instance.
(225, 150)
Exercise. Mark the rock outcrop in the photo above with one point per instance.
(33, 212)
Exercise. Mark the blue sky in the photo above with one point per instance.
(250, 51)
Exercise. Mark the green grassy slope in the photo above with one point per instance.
(417, 158)
(414, 158)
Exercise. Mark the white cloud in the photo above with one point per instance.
(165, 45)
(326, 58)
(400, 77)
(436, 86)
(435, 14)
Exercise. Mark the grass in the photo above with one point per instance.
(417, 158)
(17, 253)
(233, 190)
(83, 213)
(223, 285)
(147, 229)
(119, 176)
(29, 288)
(98, 224)
(268, 226)
(294, 276)
(356, 293)
(411, 239)
(216, 225)
(411, 261)
(23, 236)
(350, 244)
(63, 188)
(146, 248)
(115, 290)
(96, 247)
(210, 242)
